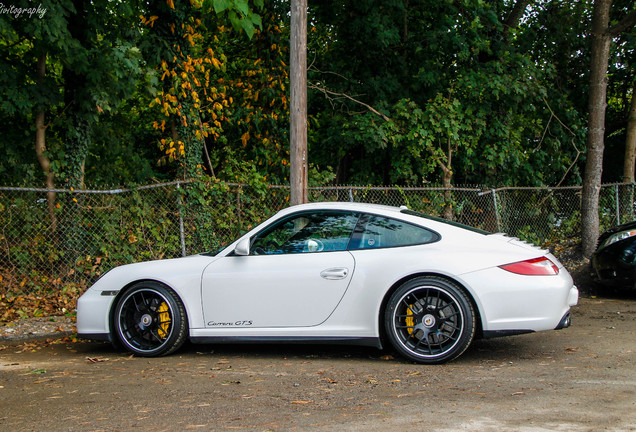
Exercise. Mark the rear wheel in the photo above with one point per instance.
(429, 320)
(150, 320)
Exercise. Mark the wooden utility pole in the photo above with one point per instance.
(298, 103)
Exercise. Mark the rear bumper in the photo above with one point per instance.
(512, 304)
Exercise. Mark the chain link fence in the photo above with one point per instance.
(65, 239)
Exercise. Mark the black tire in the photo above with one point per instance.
(150, 320)
(429, 320)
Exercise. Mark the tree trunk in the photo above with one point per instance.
(630, 161)
(298, 103)
(448, 195)
(630, 142)
(40, 148)
(596, 126)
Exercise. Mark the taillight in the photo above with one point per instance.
(533, 267)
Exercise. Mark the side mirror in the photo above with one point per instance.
(243, 247)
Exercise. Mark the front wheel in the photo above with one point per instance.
(150, 320)
(429, 320)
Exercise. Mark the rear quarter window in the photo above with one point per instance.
(374, 232)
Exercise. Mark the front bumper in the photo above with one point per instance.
(93, 309)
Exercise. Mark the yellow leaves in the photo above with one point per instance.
(150, 21)
(161, 125)
(170, 3)
(216, 63)
(173, 150)
(244, 138)
(217, 106)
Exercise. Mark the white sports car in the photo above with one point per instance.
(337, 273)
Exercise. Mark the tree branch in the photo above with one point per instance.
(328, 93)
(516, 13)
(625, 24)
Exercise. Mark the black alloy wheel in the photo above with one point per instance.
(430, 320)
(150, 320)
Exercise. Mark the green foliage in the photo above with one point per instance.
(457, 58)
(115, 229)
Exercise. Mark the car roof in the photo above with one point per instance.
(401, 212)
(345, 205)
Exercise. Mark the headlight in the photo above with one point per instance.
(618, 237)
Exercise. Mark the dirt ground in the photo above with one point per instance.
(578, 379)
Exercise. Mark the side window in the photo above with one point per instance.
(306, 233)
(382, 232)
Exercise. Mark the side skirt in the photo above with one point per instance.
(364, 341)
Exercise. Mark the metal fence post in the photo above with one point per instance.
(494, 199)
(181, 230)
(618, 205)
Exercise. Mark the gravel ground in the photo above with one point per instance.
(580, 379)
(56, 327)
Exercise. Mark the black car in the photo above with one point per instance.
(614, 262)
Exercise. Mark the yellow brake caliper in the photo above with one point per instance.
(164, 320)
(410, 321)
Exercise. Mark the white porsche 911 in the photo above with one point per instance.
(338, 273)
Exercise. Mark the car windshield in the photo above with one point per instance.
(437, 219)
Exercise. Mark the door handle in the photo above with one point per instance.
(334, 273)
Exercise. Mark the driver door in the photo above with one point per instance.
(296, 272)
